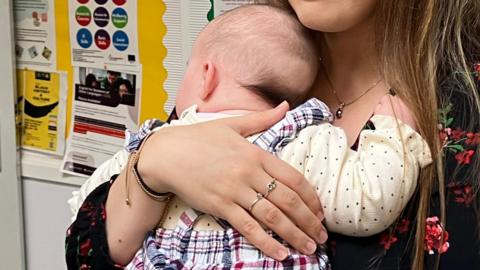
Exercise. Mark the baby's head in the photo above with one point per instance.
(250, 58)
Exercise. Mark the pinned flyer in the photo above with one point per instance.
(43, 110)
(105, 104)
(35, 34)
(103, 34)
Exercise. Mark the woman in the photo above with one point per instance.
(424, 50)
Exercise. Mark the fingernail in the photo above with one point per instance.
(284, 103)
(282, 254)
(311, 247)
(320, 215)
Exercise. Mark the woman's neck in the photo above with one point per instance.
(351, 64)
(350, 59)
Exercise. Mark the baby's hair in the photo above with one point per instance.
(246, 47)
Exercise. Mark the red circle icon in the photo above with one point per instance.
(119, 2)
(102, 39)
(83, 15)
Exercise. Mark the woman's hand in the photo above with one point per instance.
(215, 170)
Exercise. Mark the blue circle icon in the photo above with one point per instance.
(84, 38)
(120, 41)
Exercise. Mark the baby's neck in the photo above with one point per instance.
(236, 112)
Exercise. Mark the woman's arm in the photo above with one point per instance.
(213, 168)
(126, 226)
(101, 175)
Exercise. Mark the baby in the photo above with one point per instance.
(250, 59)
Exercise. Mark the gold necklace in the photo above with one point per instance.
(339, 111)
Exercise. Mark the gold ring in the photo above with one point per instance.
(257, 199)
(270, 187)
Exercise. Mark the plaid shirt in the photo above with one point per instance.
(312, 112)
(185, 248)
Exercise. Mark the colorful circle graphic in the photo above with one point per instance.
(101, 16)
(120, 40)
(102, 39)
(83, 15)
(101, 2)
(119, 17)
(83, 1)
(119, 2)
(84, 38)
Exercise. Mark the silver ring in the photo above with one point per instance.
(270, 187)
(257, 199)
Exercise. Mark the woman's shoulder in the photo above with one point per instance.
(391, 105)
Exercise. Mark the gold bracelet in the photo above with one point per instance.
(132, 167)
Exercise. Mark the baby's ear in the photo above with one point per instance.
(395, 107)
(210, 79)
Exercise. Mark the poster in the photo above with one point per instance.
(35, 34)
(103, 34)
(43, 110)
(184, 20)
(106, 102)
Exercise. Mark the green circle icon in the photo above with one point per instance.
(83, 15)
(119, 17)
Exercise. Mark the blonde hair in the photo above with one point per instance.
(427, 49)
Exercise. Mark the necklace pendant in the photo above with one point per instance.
(338, 113)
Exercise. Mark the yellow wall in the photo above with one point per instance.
(152, 52)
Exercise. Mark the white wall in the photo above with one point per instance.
(46, 216)
(11, 227)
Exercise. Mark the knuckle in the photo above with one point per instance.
(297, 181)
(291, 199)
(239, 169)
(272, 215)
(314, 226)
(249, 227)
(252, 154)
(268, 248)
(218, 211)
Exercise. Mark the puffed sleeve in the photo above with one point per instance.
(362, 192)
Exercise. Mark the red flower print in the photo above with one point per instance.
(464, 157)
(436, 238)
(87, 207)
(443, 136)
(103, 212)
(457, 134)
(403, 226)
(473, 138)
(333, 246)
(85, 267)
(387, 240)
(477, 70)
(86, 247)
(463, 193)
